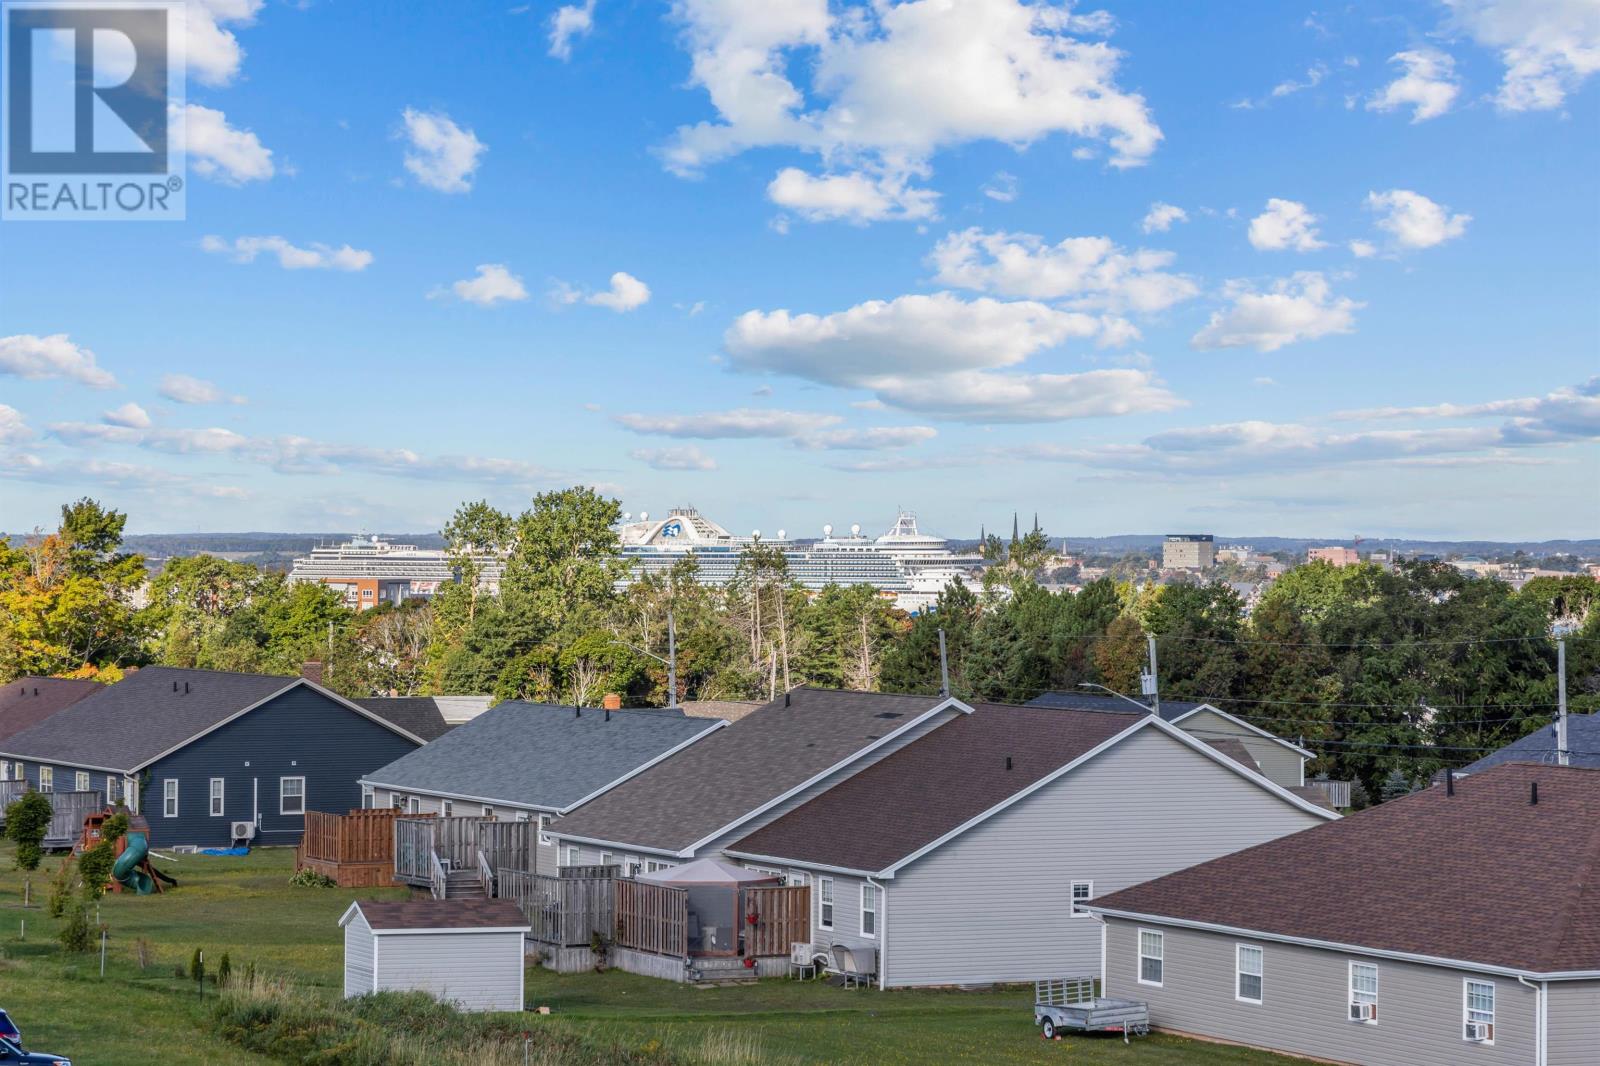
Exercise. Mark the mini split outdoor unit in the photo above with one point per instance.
(244, 830)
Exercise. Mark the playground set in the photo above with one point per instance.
(133, 870)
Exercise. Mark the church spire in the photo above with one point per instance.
(1015, 537)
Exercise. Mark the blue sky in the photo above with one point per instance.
(1250, 267)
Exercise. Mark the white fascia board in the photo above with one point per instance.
(1253, 728)
(40, 760)
(419, 791)
(464, 930)
(349, 912)
(610, 845)
(801, 864)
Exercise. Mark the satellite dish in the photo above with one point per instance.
(644, 516)
(780, 534)
(827, 530)
(755, 532)
(627, 516)
(855, 529)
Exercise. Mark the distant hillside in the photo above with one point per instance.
(1151, 543)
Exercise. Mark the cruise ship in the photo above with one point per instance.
(368, 571)
(904, 564)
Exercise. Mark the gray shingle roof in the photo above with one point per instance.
(735, 770)
(1583, 746)
(27, 701)
(538, 754)
(418, 715)
(1089, 701)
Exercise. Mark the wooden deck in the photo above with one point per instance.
(356, 850)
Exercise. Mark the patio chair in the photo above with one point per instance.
(857, 966)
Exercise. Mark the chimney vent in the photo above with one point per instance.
(311, 670)
(786, 699)
(1008, 762)
(1449, 782)
(1533, 794)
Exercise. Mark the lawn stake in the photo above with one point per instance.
(102, 951)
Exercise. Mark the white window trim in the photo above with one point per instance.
(825, 899)
(866, 891)
(606, 859)
(111, 789)
(80, 781)
(1377, 986)
(169, 795)
(544, 831)
(1072, 897)
(130, 792)
(488, 810)
(1466, 1008)
(573, 854)
(217, 799)
(413, 805)
(304, 799)
(369, 798)
(47, 779)
(1239, 973)
(446, 808)
(631, 866)
(1162, 958)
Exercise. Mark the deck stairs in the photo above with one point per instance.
(463, 884)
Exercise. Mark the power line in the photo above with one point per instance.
(1360, 644)
(1392, 703)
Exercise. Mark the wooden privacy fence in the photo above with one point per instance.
(456, 842)
(360, 836)
(507, 844)
(68, 809)
(564, 911)
(653, 918)
(783, 917)
(413, 850)
(10, 792)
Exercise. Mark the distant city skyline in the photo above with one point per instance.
(1160, 268)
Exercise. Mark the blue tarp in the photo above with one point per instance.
(224, 851)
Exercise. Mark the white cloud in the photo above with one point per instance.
(1297, 308)
(1314, 75)
(1088, 272)
(568, 22)
(291, 257)
(1001, 187)
(1429, 85)
(441, 155)
(492, 284)
(181, 388)
(125, 476)
(1161, 216)
(890, 84)
(129, 414)
(34, 358)
(855, 197)
(972, 396)
(1285, 225)
(1363, 249)
(1570, 413)
(1549, 47)
(684, 457)
(627, 293)
(739, 423)
(1414, 221)
(13, 427)
(211, 53)
(220, 152)
(877, 438)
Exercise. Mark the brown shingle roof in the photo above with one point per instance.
(1483, 876)
(924, 790)
(27, 701)
(442, 914)
(735, 770)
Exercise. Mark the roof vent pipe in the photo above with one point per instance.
(1449, 782)
(786, 699)
(1008, 762)
(174, 686)
(186, 688)
(1533, 794)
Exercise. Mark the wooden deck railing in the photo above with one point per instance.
(783, 917)
(360, 836)
(653, 918)
(564, 911)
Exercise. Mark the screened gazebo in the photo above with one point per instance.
(718, 909)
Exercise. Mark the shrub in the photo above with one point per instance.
(76, 934)
(224, 969)
(60, 889)
(114, 828)
(309, 878)
(27, 821)
(94, 866)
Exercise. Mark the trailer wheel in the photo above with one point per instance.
(1049, 1029)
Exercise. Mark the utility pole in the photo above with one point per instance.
(1152, 680)
(1562, 757)
(944, 669)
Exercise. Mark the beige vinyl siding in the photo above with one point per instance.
(994, 904)
(477, 971)
(1305, 1002)
(1278, 764)
(357, 956)
(1573, 1023)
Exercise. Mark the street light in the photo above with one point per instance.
(671, 662)
(1090, 684)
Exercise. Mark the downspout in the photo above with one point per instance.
(883, 933)
(1541, 1051)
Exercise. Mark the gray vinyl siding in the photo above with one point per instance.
(357, 956)
(1278, 764)
(1305, 1002)
(477, 971)
(846, 912)
(1573, 1023)
(544, 857)
(993, 904)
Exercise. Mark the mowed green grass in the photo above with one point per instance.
(136, 1016)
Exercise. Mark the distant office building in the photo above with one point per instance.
(1334, 555)
(1188, 551)
(369, 571)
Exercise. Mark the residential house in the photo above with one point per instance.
(968, 856)
(745, 775)
(527, 761)
(1458, 925)
(27, 701)
(1583, 746)
(199, 750)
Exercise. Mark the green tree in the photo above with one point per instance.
(27, 822)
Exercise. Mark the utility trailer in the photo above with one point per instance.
(1070, 1003)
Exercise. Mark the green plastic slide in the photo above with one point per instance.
(128, 870)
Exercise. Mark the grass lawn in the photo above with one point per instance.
(136, 1016)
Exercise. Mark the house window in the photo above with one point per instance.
(1248, 965)
(488, 811)
(799, 877)
(111, 788)
(522, 816)
(1150, 957)
(368, 798)
(19, 772)
(169, 797)
(572, 855)
(869, 910)
(80, 781)
(397, 801)
(825, 903)
(652, 866)
(1082, 892)
(544, 825)
(218, 787)
(1364, 993)
(5, 771)
(130, 788)
(446, 808)
(291, 795)
(1479, 996)
(413, 805)
(47, 779)
(630, 866)
(605, 858)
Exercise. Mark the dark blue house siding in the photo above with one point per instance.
(298, 734)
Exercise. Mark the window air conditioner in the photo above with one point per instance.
(244, 830)
(1363, 1012)
(1480, 1031)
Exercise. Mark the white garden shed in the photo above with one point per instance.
(468, 952)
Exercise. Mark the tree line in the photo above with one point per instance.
(1376, 670)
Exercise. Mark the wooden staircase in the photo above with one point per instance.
(463, 884)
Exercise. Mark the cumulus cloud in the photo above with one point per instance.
(440, 154)
(570, 21)
(627, 293)
(1001, 187)
(1313, 78)
(739, 423)
(1363, 249)
(1285, 225)
(971, 396)
(1161, 216)
(126, 476)
(492, 284)
(1413, 221)
(220, 152)
(684, 457)
(1088, 272)
(212, 54)
(856, 197)
(1428, 85)
(291, 257)
(1570, 413)
(891, 84)
(13, 427)
(877, 438)
(34, 358)
(1297, 308)
(1549, 47)
(129, 414)
(181, 388)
